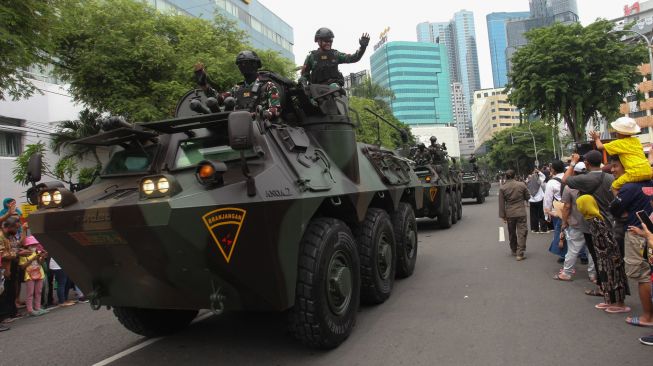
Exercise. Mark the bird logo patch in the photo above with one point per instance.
(224, 224)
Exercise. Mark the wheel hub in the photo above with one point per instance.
(385, 257)
(411, 242)
(339, 283)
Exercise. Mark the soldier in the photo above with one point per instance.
(472, 160)
(436, 150)
(321, 65)
(422, 156)
(254, 90)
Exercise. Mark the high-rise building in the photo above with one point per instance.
(265, 29)
(355, 79)
(491, 113)
(542, 14)
(418, 75)
(459, 37)
(496, 29)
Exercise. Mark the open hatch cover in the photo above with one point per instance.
(115, 137)
(185, 124)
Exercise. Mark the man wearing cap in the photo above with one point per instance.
(575, 227)
(630, 152)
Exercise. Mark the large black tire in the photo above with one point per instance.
(376, 246)
(454, 208)
(481, 196)
(154, 322)
(444, 218)
(327, 295)
(459, 202)
(405, 228)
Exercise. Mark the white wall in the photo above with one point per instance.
(448, 135)
(40, 112)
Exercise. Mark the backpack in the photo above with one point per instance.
(534, 185)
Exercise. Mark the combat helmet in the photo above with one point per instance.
(248, 56)
(324, 33)
(433, 139)
(421, 146)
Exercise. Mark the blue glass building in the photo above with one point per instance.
(265, 29)
(418, 74)
(496, 29)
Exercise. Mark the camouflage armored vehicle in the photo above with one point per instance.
(475, 185)
(225, 211)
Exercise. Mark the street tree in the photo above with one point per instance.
(367, 131)
(125, 58)
(371, 90)
(19, 170)
(513, 148)
(24, 41)
(573, 73)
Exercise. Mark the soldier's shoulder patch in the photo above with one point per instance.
(224, 225)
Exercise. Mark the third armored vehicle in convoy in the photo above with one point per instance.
(475, 185)
(225, 211)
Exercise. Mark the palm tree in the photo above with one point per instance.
(371, 90)
(87, 125)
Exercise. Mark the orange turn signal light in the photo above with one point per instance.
(428, 179)
(209, 173)
(206, 171)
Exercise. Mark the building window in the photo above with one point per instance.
(485, 95)
(637, 114)
(492, 103)
(10, 142)
(494, 117)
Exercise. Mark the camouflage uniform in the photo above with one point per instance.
(321, 67)
(422, 157)
(260, 92)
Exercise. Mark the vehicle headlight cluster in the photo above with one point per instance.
(56, 198)
(159, 186)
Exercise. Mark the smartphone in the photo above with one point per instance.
(643, 217)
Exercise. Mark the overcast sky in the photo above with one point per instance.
(350, 18)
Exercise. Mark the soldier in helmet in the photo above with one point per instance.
(422, 156)
(436, 150)
(321, 65)
(249, 93)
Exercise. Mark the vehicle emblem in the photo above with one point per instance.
(224, 225)
(432, 192)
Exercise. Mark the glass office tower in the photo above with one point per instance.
(496, 29)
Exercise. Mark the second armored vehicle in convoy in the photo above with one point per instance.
(223, 211)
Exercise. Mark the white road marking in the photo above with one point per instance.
(502, 235)
(146, 343)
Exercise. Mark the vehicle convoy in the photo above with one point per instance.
(475, 185)
(442, 185)
(226, 211)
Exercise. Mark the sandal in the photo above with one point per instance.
(594, 292)
(634, 320)
(562, 277)
(617, 309)
(602, 306)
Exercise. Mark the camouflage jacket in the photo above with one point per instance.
(340, 58)
(267, 95)
(422, 157)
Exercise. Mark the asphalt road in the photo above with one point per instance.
(468, 303)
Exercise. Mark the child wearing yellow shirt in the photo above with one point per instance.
(34, 275)
(630, 152)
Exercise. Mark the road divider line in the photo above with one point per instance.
(502, 235)
(144, 344)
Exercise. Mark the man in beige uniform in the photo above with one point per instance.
(513, 196)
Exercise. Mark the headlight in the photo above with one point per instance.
(56, 197)
(158, 186)
(163, 185)
(148, 186)
(46, 198)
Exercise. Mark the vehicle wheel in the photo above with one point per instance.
(459, 202)
(454, 208)
(487, 191)
(154, 322)
(444, 219)
(328, 285)
(480, 198)
(376, 245)
(405, 228)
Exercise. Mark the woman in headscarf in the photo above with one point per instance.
(9, 209)
(609, 265)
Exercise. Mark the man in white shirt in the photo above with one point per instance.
(552, 193)
(534, 184)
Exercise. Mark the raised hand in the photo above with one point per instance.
(365, 40)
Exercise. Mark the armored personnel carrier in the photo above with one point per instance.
(475, 185)
(226, 211)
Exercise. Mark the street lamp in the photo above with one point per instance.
(530, 132)
(648, 43)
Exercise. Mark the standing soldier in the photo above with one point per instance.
(321, 65)
(254, 90)
(512, 209)
(436, 150)
(422, 156)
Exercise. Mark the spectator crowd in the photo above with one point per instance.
(597, 206)
(31, 281)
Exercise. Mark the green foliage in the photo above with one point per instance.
(85, 176)
(125, 58)
(367, 132)
(273, 61)
(517, 152)
(65, 169)
(24, 41)
(20, 168)
(574, 73)
(87, 125)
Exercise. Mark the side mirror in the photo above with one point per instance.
(240, 130)
(34, 168)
